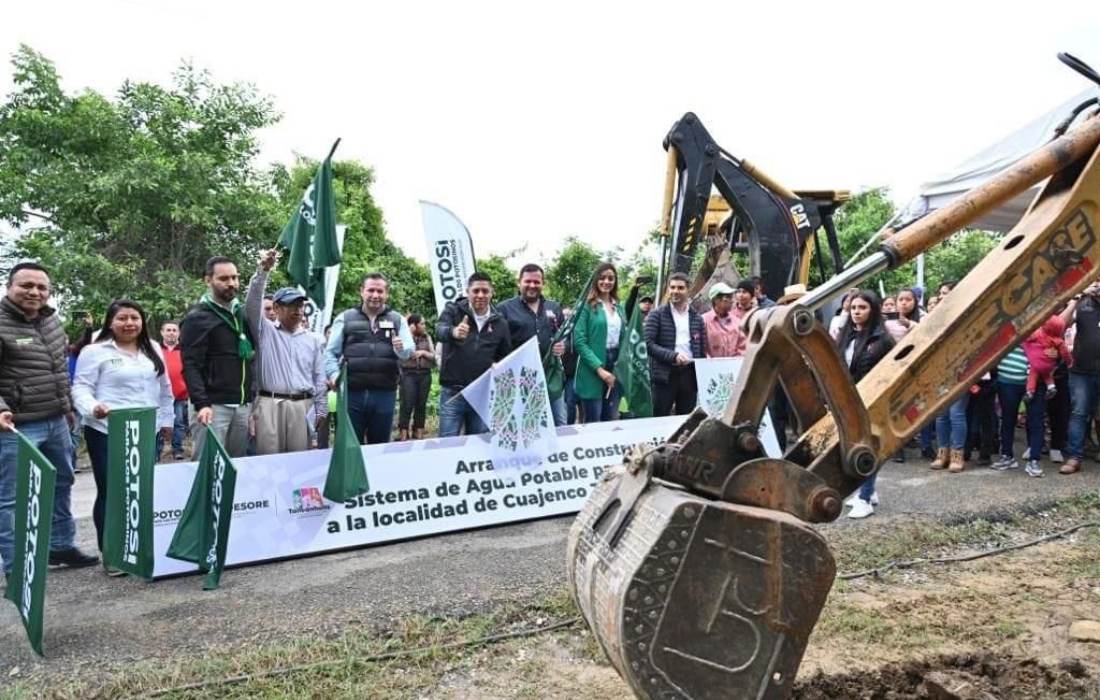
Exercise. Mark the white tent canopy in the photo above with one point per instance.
(984, 165)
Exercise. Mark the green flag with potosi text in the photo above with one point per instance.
(202, 535)
(128, 517)
(34, 484)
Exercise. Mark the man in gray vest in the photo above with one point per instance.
(370, 340)
(34, 398)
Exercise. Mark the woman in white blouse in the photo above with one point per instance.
(122, 369)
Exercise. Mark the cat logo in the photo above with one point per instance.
(799, 216)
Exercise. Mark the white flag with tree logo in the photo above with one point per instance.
(512, 400)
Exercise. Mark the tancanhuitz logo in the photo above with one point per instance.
(307, 499)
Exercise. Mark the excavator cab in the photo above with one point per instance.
(774, 232)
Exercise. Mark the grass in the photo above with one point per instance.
(859, 549)
(339, 667)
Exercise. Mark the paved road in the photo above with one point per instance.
(90, 617)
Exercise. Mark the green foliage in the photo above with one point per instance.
(570, 269)
(503, 276)
(129, 196)
(867, 212)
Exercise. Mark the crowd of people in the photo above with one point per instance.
(1048, 384)
(255, 375)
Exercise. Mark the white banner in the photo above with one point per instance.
(450, 252)
(714, 379)
(418, 489)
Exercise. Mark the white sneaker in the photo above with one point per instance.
(861, 509)
(855, 497)
(1056, 456)
(1033, 468)
(1004, 464)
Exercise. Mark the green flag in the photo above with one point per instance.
(347, 472)
(34, 484)
(202, 534)
(310, 235)
(632, 367)
(131, 458)
(552, 366)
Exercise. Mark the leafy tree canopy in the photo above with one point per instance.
(128, 197)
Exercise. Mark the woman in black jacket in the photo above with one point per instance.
(863, 341)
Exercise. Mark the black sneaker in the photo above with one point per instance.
(72, 557)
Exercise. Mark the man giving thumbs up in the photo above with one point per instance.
(474, 336)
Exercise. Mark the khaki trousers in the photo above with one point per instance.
(280, 425)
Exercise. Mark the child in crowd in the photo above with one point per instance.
(1040, 365)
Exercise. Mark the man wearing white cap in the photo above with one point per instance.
(729, 306)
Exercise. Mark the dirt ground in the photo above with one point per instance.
(996, 628)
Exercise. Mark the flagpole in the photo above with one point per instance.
(330, 153)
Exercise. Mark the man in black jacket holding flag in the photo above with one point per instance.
(217, 349)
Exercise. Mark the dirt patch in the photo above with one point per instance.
(965, 677)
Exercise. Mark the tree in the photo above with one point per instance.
(867, 212)
(128, 197)
(570, 269)
(502, 275)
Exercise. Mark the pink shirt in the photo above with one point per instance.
(724, 335)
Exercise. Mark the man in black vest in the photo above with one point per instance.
(1084, 376)
(371, 340)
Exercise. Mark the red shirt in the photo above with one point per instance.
(173, 362)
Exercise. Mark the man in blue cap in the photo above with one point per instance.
(290, 368)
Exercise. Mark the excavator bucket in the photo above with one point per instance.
(696, 598)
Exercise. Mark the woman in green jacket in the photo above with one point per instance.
(600, 323)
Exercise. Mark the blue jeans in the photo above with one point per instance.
(571, 401)
(926, 434)
(606, 407)
(868, 488)
(456, 414)
(179, 428)
(601, 409)
(1084, 389)
(371, 412)
(53, 438)
(1009, 396)
(951, 425)
(557, 409)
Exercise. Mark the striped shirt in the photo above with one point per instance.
(286, 362)
(1013, 367)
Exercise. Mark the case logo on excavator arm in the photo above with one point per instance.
(1065, 259)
